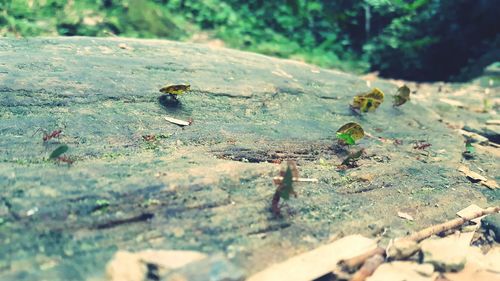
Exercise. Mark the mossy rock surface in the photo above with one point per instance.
(208, 186)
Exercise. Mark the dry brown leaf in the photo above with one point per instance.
(471, 209)
(470, 174)
(491, 184)
(476, 137)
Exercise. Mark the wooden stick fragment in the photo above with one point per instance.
(355, 262)
(296, 179)
(435, 229)
(368, 268)
(177, 121)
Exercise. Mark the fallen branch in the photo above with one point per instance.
(368, 268)
(371, 265)
(355, 262)
(435, 229)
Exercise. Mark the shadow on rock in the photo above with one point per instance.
(169, 102)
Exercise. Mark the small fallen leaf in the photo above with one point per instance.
(471, 175)
(491, 184)
(58, 151)
(175, 89)
(350, 133)
(475, 177)
(402, 96)
(471, 209)
(369, 101)
(405, 216)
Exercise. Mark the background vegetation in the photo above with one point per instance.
(414, 40)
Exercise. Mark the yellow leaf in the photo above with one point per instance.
(369, 101)
(353, 129)
(402, 96)
(175, 89)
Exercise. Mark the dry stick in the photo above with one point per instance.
(435, 229)
(417, 237)
(297, 179)
(368, 268)
(177, 121)
(355, 262)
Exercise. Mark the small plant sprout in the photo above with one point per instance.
(368, 102)
(402, 96)
(175, 90)
(350, 133)
(46, 136)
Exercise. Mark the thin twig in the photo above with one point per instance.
(177, 121)
(435, 229)
(297, 179)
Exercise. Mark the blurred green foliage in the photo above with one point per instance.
(415, 40)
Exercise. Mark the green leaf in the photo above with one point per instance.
(469, 148)
(347, 138)
(287, 186)
(58, 151)
(102, 203)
